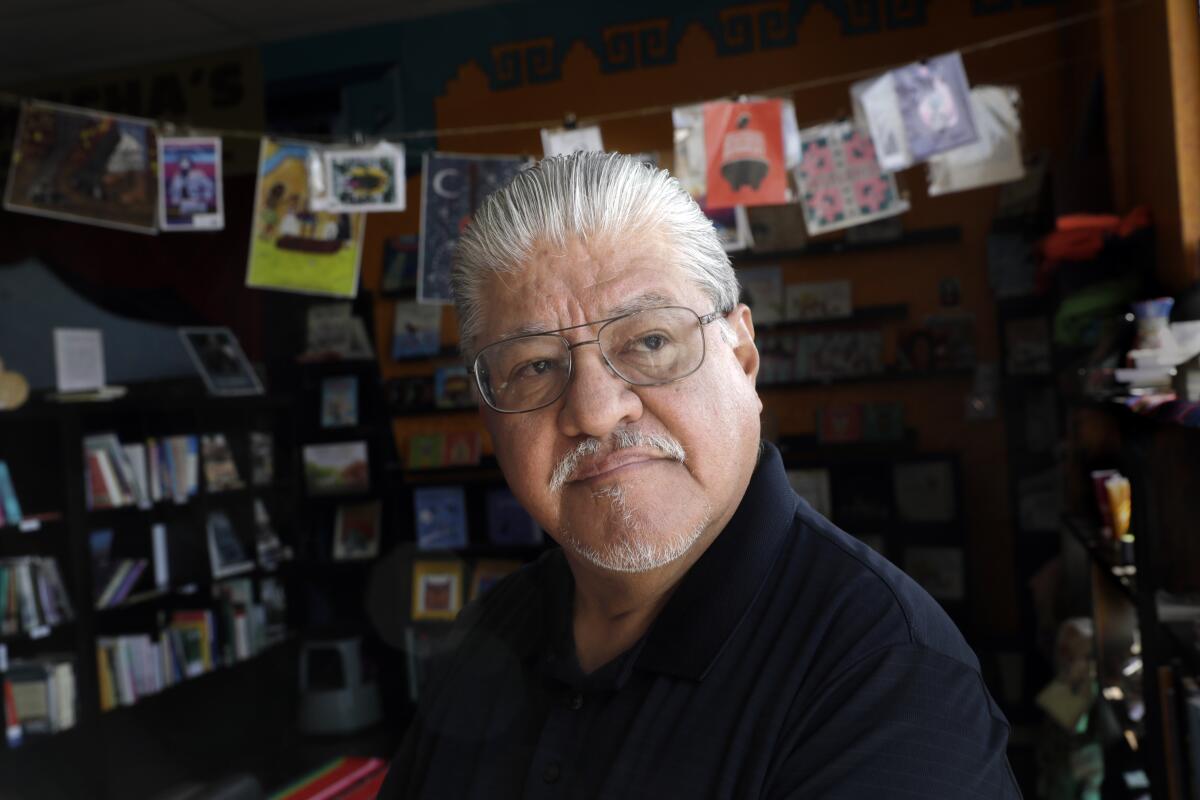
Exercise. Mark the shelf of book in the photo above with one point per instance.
(887, 376)
(859, 316)
(949, 234)
(200, 680)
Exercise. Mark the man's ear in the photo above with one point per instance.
(744, 349)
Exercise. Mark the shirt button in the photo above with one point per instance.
(575, 701)
(551, 772)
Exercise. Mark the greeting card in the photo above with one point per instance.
(841, 183)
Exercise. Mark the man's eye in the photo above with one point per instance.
(533, 369)
(648, 343)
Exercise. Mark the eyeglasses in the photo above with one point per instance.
(644, 348)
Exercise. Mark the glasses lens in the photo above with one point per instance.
(655, 346)
(523, 374)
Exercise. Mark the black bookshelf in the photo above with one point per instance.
(43, 446)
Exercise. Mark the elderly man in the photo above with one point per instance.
(701, 632)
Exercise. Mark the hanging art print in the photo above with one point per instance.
(189, 194)
(744, 153)
(360, 179)
(452, 188)
(934, 101)
(841, 184)
(84, 166)
(292, 247)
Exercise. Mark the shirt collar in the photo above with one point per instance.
(715, 594)
(709, 602)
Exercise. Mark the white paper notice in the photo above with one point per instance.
(563, 142)
(79, 359)
(875, 101)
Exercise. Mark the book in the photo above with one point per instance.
(818, 300)
(762, 291)
(399, 265)
(339, 401)
(452, 388)
(10, 508)
(426, 451)
(437, 588)
(462, 448)
(162, 561)
(926, 491)
(356, 533)
(220, 469)
(416, 330)
(267, 545)
(487, 572)
(262, 458)
(408, 395)
(337, 468)
(508, 523)
(226, 554)
(441, 517)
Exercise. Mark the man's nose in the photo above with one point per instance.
(598, 400)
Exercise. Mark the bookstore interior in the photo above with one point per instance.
(246, 479)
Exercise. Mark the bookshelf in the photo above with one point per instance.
(42, 444)
(1145, 608)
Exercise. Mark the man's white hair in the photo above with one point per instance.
(584, 196)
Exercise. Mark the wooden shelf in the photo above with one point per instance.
(948, 234)
(861, 315)
(888, 376)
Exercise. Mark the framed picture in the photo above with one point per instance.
(487, 572)
(356, 533)
(225, 551)
(338, 468)
(399, 265)
(339, 401)
(220, 360)
(437, 590)
(508, 523)
(939, 570)
(926, 490)
(441, 517)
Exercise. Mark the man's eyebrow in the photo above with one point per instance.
(641, 302)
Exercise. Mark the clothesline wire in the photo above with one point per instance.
(1081, 18)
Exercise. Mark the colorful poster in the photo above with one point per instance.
(189, 193)
(841, 184)
(360, 179)
(934, 100)
(84, 166)
(744, 153)
(690, 169)
(293, 248)
(452, 187)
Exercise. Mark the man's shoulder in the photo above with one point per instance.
(870, 601)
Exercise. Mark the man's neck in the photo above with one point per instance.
(613, 610)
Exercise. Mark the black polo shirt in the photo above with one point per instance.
(792, 661)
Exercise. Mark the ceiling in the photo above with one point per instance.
(46, 38)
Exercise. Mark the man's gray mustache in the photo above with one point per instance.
(620, 440)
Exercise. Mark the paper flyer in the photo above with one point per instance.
(841, 183)
(564, 141)
(452, 187)
(293, 248)
(744, 153)
(190, 192)
(359, 178)
(84, 166)
(995, 157)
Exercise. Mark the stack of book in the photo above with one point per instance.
(140, 474)
(32, 595)
(39, 697)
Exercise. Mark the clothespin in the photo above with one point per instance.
(569, 121)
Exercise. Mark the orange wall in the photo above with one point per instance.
(910, 275)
